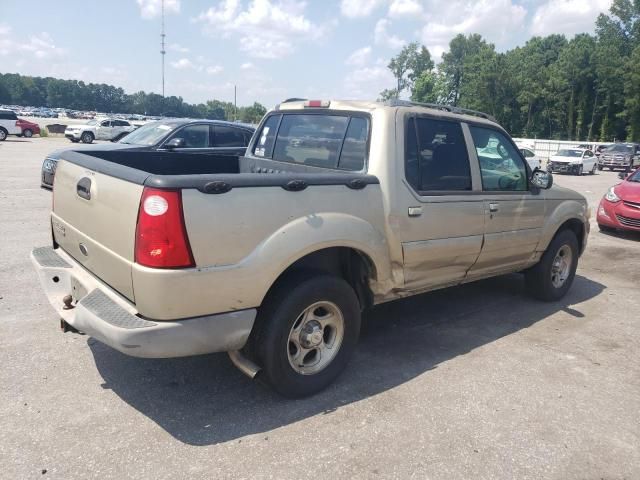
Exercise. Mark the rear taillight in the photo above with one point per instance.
(161, 236)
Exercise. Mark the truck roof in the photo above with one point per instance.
(445, 111)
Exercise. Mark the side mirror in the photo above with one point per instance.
(541, 179)
(175, 142)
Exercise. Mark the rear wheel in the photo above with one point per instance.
(27, 133)
(3, 134)
(580, 170)
(305, 333)
(87, 137)
(552, 277)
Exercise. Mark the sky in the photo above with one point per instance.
(269, 49)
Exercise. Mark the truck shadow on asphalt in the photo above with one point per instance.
(205, 400)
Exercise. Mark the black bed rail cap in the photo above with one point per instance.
(290, 181)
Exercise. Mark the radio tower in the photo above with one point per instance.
(162, 51)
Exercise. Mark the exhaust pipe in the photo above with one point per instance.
(243, 364)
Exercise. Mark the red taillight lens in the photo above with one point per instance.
(161, 236)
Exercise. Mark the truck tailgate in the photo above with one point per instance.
(94, 220)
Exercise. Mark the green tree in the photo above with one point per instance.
(412, 61)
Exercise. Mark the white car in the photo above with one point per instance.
(532, 159)
(8, 124)
(573, 160)
(104, 129)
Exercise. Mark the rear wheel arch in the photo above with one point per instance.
(353, 265)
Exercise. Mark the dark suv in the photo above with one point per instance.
(620, 155)
(170, 141)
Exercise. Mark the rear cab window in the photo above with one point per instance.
(332, 140)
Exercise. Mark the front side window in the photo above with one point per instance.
(194, 136)
(436, 156)
(228, 137)
(328, 141)
(105, 123)
(501, 165)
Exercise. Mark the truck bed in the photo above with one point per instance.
(243, 228)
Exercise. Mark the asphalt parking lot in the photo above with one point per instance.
(478, 381)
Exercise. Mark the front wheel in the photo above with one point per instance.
(552, 277)
(580, 170)
(87, 137)
(306, 331)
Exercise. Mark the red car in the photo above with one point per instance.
(620, 207)
(29, 129)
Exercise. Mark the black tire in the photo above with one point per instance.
(28, 133)
(600, 167)
(270, 341)
(593, 170)
(579, 172)
(3, 134)
(73, 140)
(87, 137)
(539, 278)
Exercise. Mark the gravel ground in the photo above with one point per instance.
(478, 381)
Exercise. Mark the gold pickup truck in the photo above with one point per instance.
(338, 206)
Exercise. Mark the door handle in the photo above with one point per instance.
(493, 207)
(415, 211)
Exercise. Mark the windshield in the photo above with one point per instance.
(620, 149)
(92, 122)
(148, 134)
(569, 153)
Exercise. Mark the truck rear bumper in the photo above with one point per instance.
(100, 312)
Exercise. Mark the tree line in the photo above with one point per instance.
(586, 88)
(18, 89)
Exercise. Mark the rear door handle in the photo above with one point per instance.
(493, 207)
(415, 211)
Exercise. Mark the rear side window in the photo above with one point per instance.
(436, 156)
(194, 136)
(328, 141)
(228, 137)
(4, 115)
